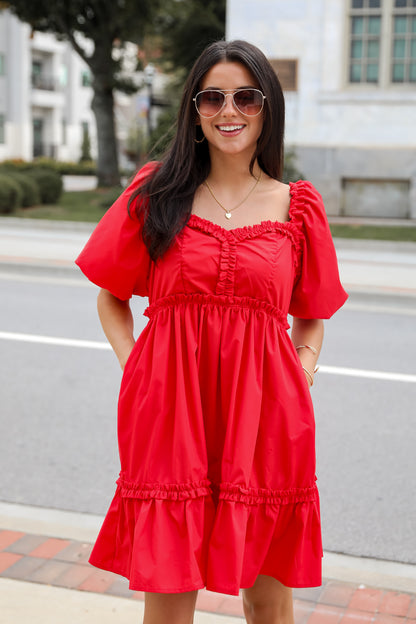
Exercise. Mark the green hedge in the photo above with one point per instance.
(29, 188)
(10, 194)
(64, 168)
(49, 183)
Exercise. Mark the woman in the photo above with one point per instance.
(216, 427)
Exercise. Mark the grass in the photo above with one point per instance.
(91, 205)
(375, 232)
(74, 206)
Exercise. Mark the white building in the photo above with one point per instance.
(45, 97)
(348, 68)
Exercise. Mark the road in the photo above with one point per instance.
(58, 410)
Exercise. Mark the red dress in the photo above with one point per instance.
(215, 422)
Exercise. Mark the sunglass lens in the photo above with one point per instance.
(209, 103)
(249, 101)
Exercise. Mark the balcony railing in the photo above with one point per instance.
(45, 83)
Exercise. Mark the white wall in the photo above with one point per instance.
(325, 110)
(339, 130)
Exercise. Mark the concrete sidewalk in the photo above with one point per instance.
(365, 266)
(45, 577)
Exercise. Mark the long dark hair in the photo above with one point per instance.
(169, 192)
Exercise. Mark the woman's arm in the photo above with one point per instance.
(117, 322)
(308, 334)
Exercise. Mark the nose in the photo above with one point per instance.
(229, 106)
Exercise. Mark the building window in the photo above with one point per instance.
(403, 66)
(2, 64)
(37, 71)
(2, 128)
(63, 75)
(365, 40)
(85, 78)
(382, 42)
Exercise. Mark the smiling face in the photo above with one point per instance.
(230, 131)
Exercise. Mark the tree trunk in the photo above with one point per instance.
(103, 108)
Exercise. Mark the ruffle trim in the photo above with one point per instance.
(303, 195)
(261, 496)
(290, 229)
(240, 233)
(257, 305)
(227, 492)
(164, 491)
(228, 260)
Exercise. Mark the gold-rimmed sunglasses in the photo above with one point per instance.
(210, 102)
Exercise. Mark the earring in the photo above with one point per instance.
(203, 135)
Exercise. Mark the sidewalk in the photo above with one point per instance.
(47, 579)
(365, 266)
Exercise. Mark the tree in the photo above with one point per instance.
(182, 29)
(186, 27)
(85, 146)
(108, 24)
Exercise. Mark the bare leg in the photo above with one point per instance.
(268, 602)
(172, 608)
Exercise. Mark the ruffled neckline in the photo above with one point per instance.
(246, 231)
(251, 231)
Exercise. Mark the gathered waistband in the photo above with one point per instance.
(226, 301)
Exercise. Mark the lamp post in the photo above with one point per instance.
(149, 72)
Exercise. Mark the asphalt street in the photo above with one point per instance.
(58, 401)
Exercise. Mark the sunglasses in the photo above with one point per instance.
(210, 102)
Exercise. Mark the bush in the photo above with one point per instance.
(30, 195)
(49, 183)
(10, 194)
(15, 163)
(64, 168)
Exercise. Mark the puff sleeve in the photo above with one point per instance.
(115, 256)
(317, 291)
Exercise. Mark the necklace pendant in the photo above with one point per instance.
(228, 215)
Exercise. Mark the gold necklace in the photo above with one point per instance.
(229, 211)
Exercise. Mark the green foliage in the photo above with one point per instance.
(30, 195)
(10, 194)
(81, 206)
(109, 24)
(186, 27)
(136, 144)
(162, 135)
(16, 164)
(290, 171)
(374, 232)
(64, 168)
(49, 183)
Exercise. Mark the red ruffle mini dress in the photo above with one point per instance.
(215, 422)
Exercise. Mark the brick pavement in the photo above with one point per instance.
(64, 563)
